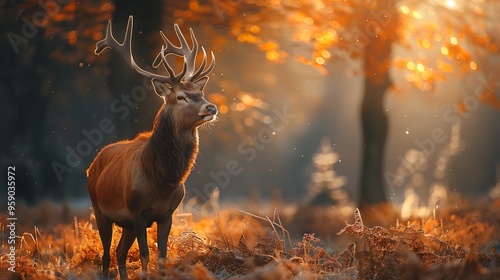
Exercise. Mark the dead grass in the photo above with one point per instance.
(238, 245)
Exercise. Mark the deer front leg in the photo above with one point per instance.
(140, 226)
(164, 227)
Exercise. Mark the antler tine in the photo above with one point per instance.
(125, 50)
(189, 54)
(202, 66)
(163, 58)
(103, 44)
(166, 49)
(184, 50)
(200, 74)
(170, 48)
(176, 79)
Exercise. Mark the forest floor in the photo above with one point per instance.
(459, 242)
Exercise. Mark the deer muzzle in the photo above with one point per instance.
(209, 112)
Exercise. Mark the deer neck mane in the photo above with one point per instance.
(170, 154)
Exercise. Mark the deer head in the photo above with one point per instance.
(182, 92)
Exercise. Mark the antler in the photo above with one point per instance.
(125, 49)
(188, 72)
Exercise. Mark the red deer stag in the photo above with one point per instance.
(134, 183)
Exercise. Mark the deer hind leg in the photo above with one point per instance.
(128, 237)
(163, 232)
(140, 226)
(105, 227)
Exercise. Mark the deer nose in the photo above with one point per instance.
(212, 109)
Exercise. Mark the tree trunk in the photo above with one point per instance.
(377, 63)
(145, 43)
(374, 126)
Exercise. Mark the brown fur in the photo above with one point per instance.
(161, 160)
(163, 157)
(134, 183)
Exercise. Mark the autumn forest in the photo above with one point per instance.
(323, 139)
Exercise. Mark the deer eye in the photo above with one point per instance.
(180, 97)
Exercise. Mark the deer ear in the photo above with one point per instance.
(162, 89)
(201, 83)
